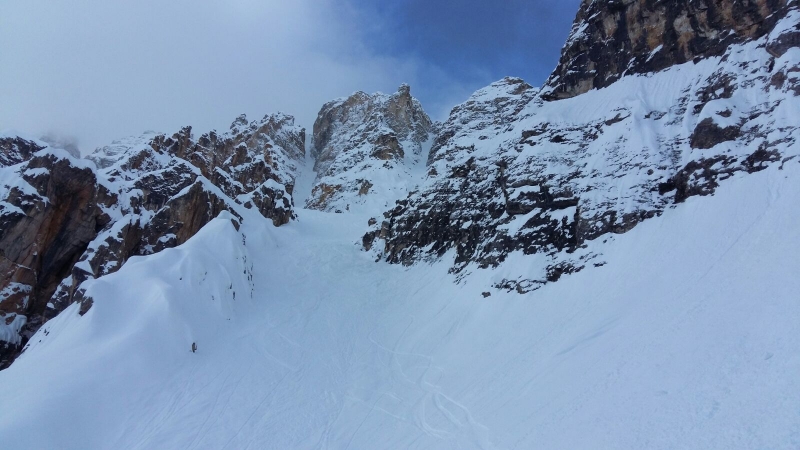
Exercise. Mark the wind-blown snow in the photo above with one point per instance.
(686, 338)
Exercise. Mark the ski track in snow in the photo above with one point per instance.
(685, 339)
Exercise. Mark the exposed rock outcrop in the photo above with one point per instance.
(614, 38)
(49, 216)
(14, 150)
(255, 163)
(367, 140)
(65, 220)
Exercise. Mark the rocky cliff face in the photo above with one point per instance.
(513, 173)
(49, 215)
(65, 220)
(614, 38)
(366, 147)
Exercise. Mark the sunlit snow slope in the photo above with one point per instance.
(686, 339)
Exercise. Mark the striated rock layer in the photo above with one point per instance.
(512, 173)
(366, 147)
(64, 220)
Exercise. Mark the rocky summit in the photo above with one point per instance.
(368, 147)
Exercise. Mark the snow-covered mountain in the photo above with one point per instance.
(512, 172)
(368, 150)
(67, 220)
(608, 261)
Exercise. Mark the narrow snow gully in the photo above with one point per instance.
(304, 182)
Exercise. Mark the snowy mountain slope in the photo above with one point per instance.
(66, 220)
(510, 172)
(304, 342)
(369, 150)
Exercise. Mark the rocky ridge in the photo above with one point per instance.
(367, 147)
(65, 220)
(512, 172)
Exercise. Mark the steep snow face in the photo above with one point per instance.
(66, 220)
(512, 173)
(687, 338)
(368, 150)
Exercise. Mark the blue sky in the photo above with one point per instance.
(96, 70)
(476, 41)
(464, 45)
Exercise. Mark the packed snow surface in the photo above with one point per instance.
(687, 338)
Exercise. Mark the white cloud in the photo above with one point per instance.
(100, 70)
